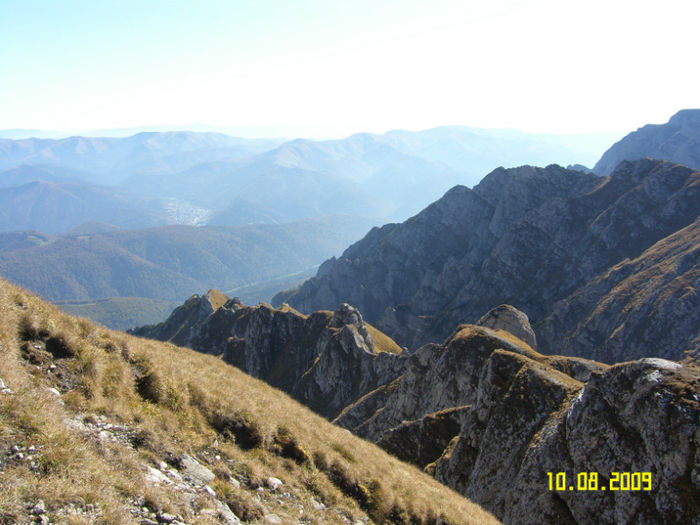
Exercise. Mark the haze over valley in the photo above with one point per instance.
(77, 199)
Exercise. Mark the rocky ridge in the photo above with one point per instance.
(485, 413)
(490, 417)
(533, 238)
(325, 360)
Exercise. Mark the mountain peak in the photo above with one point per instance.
(686, 117)
(678, 141)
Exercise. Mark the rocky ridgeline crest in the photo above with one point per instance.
(511, 320)
(490, 417)
(566, 247)
(678, 141)
(325, 360)
(484, 412)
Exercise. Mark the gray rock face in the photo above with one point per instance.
(184, 322)
(512, 320)
(507, 416)
(649, 301)
(349, 315)
(483, 412)
(533, 238)
(435, 377)
(678, 140)
(196, 471)
(325, 360)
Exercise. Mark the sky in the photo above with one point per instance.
(331, 67)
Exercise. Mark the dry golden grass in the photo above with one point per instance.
(217, 298)
(284, 307)
(179, 401)
(382, 342)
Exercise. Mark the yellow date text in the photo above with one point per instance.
(591, 481)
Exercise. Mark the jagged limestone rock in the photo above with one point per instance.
(325, 360)
(347, 315)
(506, 416)
(483, 412)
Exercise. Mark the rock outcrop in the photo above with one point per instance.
(325, 360)
(512, 320)
(535, 238)
(183, 324)
(483, 412)
(505, 416)
(678, 141)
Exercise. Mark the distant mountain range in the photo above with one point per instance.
(56, 207)
(114, 159)
(100, 189)
(225, 180)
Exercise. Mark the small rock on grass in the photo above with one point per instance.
(274, 483)
(164, 517)
(195, 470)
(39, 508)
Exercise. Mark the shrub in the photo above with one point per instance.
(340, 449)
(59, 347)
(243, 428)
(150, 387)
(30, 330)
(348, 485)
(287, 446)
(321, 461)
(245, 509)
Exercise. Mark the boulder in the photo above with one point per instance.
(508, 318)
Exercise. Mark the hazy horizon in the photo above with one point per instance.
(291, 132)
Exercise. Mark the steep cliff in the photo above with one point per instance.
(649, 302)
(530, 237)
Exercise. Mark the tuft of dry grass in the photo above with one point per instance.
(382, 342)
(174, 401)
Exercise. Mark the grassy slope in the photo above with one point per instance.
(173, 401)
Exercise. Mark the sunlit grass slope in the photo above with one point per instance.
(158, 403)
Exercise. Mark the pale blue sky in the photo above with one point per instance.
(342, 66)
